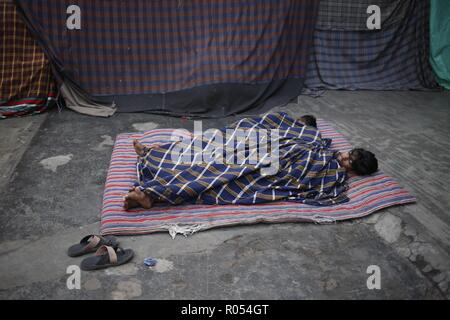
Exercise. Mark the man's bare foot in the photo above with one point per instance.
(139, 148)
(137, 198)
(129, 203)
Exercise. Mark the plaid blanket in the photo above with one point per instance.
(393, 58)
(227, 166)
(26, 83)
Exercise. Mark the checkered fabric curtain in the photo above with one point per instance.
(24, 70)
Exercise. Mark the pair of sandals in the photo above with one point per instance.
(107, 252)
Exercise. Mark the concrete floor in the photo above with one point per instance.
(49, 203)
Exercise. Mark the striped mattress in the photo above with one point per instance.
(367, 195)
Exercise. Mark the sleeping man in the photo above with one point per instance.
(254, 160)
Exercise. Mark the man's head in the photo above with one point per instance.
(359, 161)
(309, 120)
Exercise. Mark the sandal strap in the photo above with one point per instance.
(111, 253)
(92, 241)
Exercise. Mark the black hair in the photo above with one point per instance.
(363, 162)
(309, 120)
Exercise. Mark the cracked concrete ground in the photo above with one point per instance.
(53, 173)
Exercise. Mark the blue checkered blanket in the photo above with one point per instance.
(254, 160)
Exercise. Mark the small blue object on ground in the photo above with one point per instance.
(150, 262)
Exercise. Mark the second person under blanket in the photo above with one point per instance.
(307, 169)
